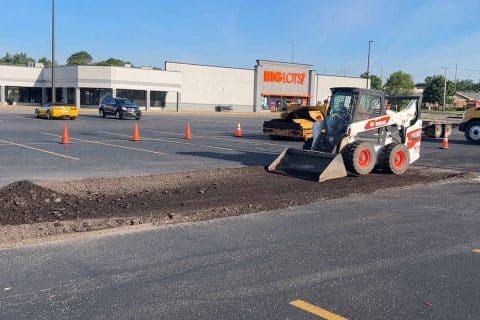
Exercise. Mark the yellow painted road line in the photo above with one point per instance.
(325, 314)
(108, 144)
(40, 150)
(169, 141)
(225, 139)
(476, 250)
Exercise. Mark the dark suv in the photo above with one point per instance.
(121, 108)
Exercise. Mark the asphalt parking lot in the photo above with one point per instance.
(405, 253)
(31, 148)
(368, 257)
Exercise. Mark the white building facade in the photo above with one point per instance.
(269, 86)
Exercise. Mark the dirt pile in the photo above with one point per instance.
(181, 197)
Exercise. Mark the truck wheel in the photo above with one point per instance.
(359, 157)
(118, 115)
(472, 132)
(446, 130)
(395, 158)
(434, 131)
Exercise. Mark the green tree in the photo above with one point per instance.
(375, 81)
(80, 58)
(18, 58)
(112, 62)
(434, 88)
(6, 59)
(466, 85)
(399, 84)
(45, 61)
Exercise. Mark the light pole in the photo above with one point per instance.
(368, 62)
(445, 89)
(53, 52)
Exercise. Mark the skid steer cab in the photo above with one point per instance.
(357, 136)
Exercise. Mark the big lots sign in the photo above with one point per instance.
(284, 77)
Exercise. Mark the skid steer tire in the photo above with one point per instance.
(395, 158)
(359, 157)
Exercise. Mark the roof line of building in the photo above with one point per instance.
(340, 76)
(204, 65)
(284, 62)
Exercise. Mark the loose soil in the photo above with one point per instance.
(29, 210)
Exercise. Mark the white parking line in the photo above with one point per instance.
(169, 141)
(40, 150)
(51, 142)
(225, 139)
(107, 144)
(24, 117)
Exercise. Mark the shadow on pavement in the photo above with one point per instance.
(246, 158)
(450, 141)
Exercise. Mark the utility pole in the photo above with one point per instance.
(53, 52)
(456, 78)
(368, 62)
(444, 88)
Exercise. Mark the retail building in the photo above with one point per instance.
(269, 86)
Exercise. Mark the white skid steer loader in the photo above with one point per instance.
(357, 135)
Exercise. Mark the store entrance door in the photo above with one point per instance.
(283, 103)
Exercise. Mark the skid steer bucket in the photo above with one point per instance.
(311, 165)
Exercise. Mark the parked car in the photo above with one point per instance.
(56, 111)
(120, 108)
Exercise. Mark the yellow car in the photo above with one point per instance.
(471, 125)
(49, 111)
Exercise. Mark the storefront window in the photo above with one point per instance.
(93, 96)
(23, 94)
(138, 96)
(157, 98)
(71, 95)
(280, 103)
(58, 95)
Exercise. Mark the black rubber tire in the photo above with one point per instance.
(395, 158)
(37, 115)
(438, 131)
(434, 131)
(49, 116)
(118, 115)
(275, 138)
(359, 157)
(72, 118)
(138, 118)
(446, 130)
(102, 113)
(472, 132)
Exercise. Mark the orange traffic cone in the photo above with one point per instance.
(444, 143)
(188, 131)
(238, 132)
(65, 137)
(136, 134)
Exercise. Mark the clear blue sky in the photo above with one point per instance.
(418, 37)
